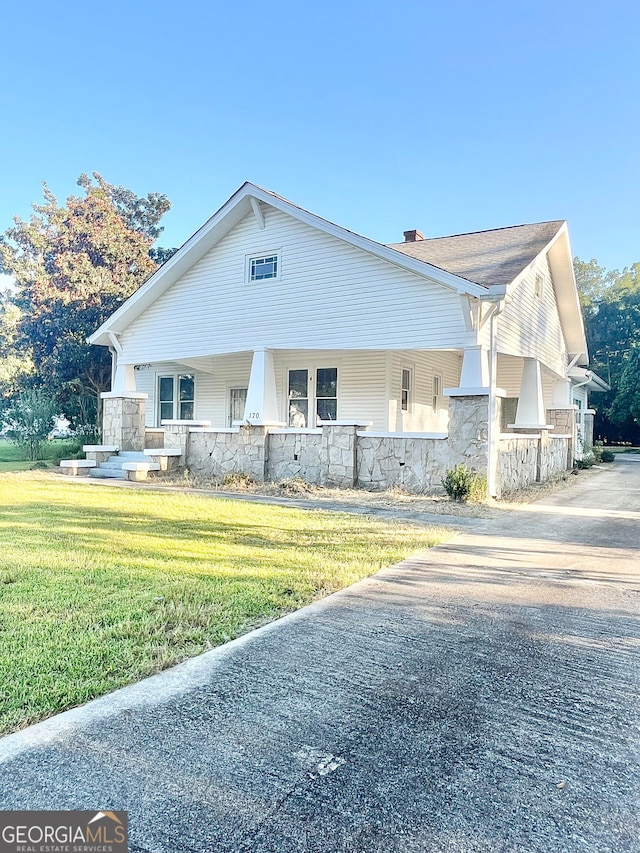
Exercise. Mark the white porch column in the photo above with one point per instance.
(262, 403)
(530, 413)
(475, 369)
(124, 379)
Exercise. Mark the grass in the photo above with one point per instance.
(12, 457)
(102, 586)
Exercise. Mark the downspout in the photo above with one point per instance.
(492, 431)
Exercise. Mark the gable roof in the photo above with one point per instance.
(485, 257)
(479, 264)
(245, 200)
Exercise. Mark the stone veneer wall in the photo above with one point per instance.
(517, 463)
(214, 453)
(123, 422)
(554, 456)
(469, 432)
(414, 464)
(295, 454)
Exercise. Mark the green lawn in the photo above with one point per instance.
(12, 456)
(101, 586)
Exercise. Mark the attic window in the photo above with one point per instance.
(261, 267)
(539, 286)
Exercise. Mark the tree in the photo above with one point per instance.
(15, 362)
(611, 303)
(74, 264)
(626, 405)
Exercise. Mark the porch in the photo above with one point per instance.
(340, 418)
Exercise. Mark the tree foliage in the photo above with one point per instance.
(611, 302)
(29, 421)
(74, 264)
(16, 364)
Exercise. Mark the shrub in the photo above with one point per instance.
(587, 461)
(27, 422)
(597, 451)
(461, 484)
(608, 456)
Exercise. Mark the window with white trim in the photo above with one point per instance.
(263, 267)
(405, 391)
(176, 397)
(312, 397)
(436, 391)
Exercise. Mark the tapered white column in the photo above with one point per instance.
(475, 368)
(262, 402)
(530, 413)
(124, 379)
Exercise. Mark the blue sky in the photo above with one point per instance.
(379, 116)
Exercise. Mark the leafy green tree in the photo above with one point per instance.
(74, 264)
(15, 361)
(625, 409)
(29, 420)
(611, 304)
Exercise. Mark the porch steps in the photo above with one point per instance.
(113, 467)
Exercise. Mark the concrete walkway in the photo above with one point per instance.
(482, 696)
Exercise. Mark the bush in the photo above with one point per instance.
(27, 422)
(461, 484)
(587, 461)
(608, 456)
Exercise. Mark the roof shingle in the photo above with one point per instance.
(484, 257)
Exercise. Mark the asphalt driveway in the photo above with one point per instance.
(480, 697)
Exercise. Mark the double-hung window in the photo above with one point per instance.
(312, 397)
(176, 397)
(436, 392)
(405, 393)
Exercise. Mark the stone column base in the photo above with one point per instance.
(123, 420)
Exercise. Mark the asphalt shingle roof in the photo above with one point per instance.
(484, 257)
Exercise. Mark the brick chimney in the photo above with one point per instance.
(412, 236)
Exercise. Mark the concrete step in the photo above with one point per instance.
(107, 473)
(131, 456)
(114, 464)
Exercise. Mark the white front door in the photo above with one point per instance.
(237, 404)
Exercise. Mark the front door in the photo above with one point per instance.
(237, 405)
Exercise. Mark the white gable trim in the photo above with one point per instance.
(247, 199)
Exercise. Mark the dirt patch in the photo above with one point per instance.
(390, 499)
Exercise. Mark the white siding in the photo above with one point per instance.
(530, 326)
(330, 296)
(509, 375)
(361, 382)
(424, 365)
(368, 385)
(509, 378)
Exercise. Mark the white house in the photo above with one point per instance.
(273, 320)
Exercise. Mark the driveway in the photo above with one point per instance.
(482, 696)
